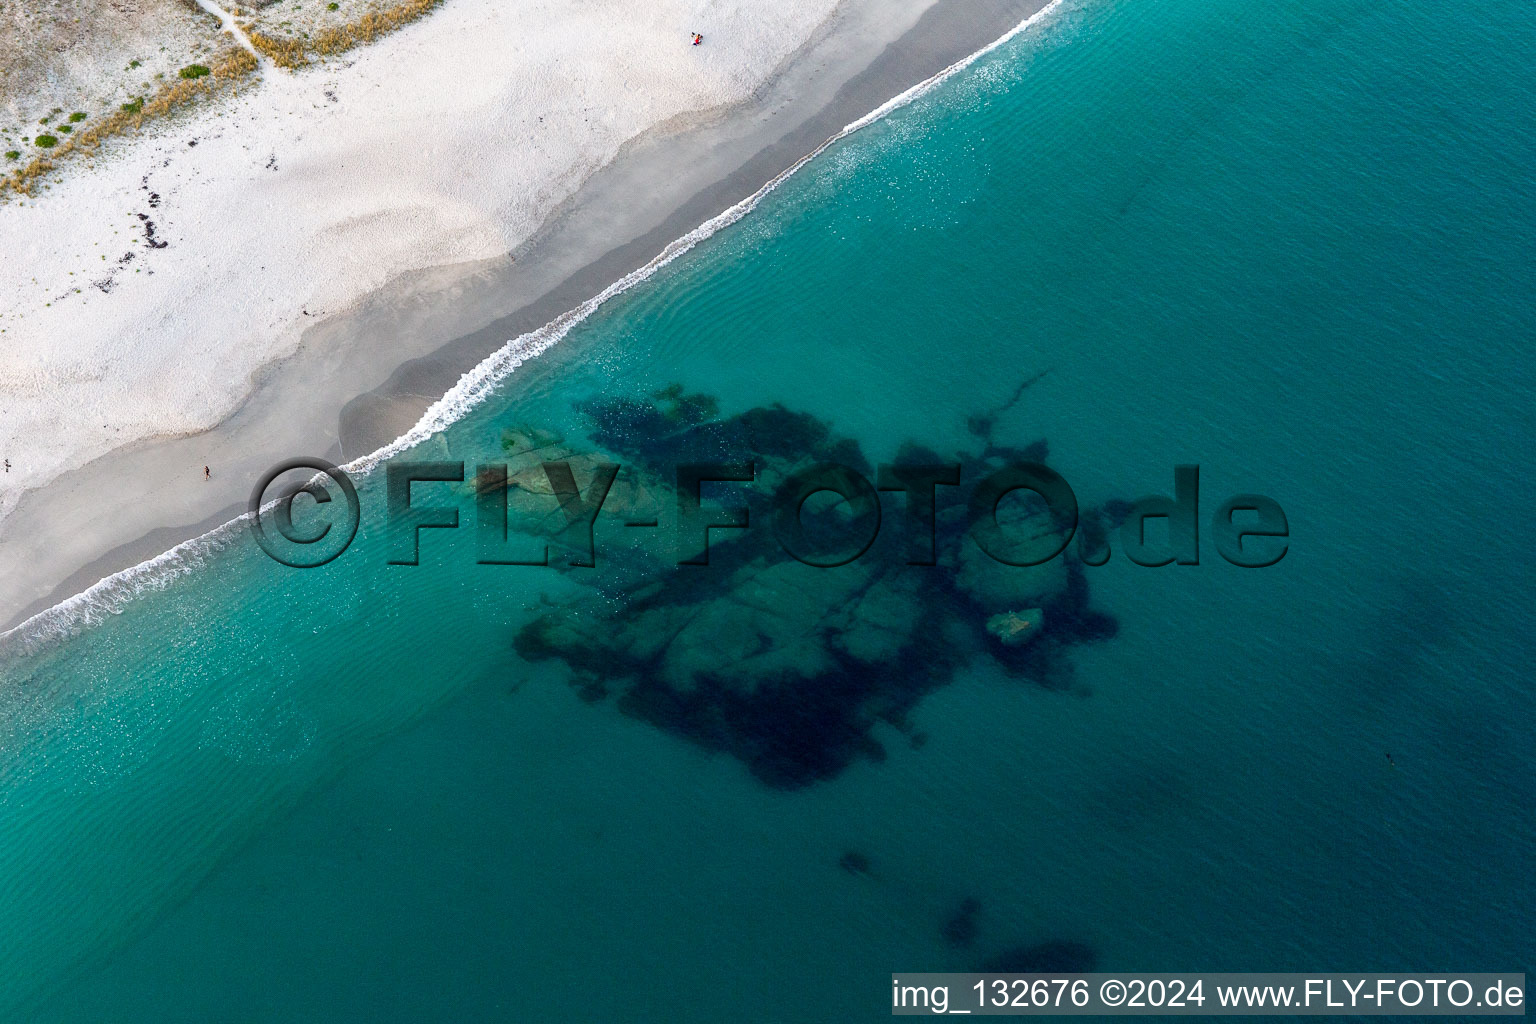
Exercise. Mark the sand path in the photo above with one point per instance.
(230, 26)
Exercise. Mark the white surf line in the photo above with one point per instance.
(108, 595)
(233, 29)
(476, 385)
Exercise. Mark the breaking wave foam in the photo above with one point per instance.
(108, 596)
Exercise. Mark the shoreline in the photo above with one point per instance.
(433, 326)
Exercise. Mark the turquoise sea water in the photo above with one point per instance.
(1290, 242)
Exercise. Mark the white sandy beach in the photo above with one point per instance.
(217, 290)
(446, 142)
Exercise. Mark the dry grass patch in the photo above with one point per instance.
(131, 61)
(223, 73)
(62, 55)
(293, 43)
(285, 52)
(370, 26)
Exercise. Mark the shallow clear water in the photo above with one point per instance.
(1290, 242)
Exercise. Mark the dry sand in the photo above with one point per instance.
(443, 281)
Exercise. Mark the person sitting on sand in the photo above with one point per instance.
(697, 39)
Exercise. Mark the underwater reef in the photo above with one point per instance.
(789, 666)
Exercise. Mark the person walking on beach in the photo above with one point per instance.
(7, 465)
(207, 475)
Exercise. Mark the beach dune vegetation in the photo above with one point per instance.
(224, 72)
(284, 52)
(295, 51)
(173, 88)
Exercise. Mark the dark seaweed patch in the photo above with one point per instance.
(961, 927)
(1047, 958)
(854, 862)
(786, 667)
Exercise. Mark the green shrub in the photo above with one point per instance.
(76, 117)
(14, 154)
(333, 6)
(135, 106)
(47, 141)
(132, 64)
(66, 129)
(42, 120)
(193, 71)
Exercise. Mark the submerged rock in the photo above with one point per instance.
(786, 666)
(1015, 629)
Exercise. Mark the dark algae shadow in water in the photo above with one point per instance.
(1058, 957)
(788, 666)
(961, 927)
